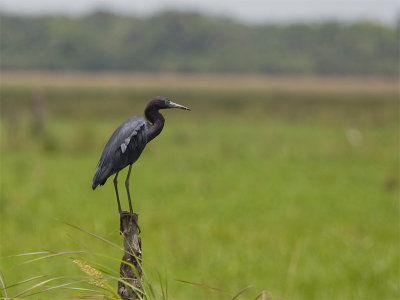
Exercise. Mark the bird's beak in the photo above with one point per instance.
(175, 105)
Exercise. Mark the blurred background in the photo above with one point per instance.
(283, 177)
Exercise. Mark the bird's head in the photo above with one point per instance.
(162, 103)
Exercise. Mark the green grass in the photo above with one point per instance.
(268, 192)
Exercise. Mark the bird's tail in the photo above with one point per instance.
(94, 185)
(98, 178)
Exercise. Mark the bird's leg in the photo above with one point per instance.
(129, 195)
(127, 188)
(116, 192)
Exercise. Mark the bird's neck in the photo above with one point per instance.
(157, 122)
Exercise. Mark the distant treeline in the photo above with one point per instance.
(191, 42)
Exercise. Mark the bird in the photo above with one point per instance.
(128, 141)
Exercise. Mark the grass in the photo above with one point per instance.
(292, 192)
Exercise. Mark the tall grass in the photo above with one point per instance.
(99, 281)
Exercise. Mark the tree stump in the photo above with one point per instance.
(129, 229)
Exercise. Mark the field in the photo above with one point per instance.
(289, 185)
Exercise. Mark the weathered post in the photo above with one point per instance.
(129, 229)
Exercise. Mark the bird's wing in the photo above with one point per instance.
(123, 148)
(129, 134)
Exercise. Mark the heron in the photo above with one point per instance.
(127, 143)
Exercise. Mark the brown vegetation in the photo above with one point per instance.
(109, 80)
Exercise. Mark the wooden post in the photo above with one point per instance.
(129, 229)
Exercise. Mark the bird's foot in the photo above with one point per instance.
(132, 215)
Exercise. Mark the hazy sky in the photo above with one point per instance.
(248, 10)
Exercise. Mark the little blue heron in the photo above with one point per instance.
(128, 141)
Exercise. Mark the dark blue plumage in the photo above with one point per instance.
(128, 141)
(123, 148)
